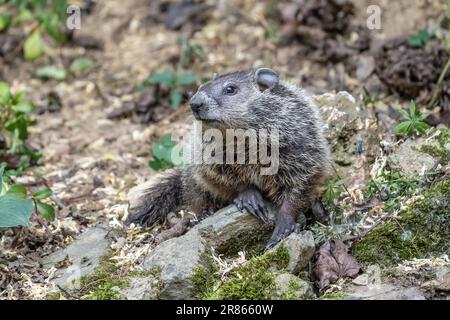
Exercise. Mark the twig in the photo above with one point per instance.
(439, 84)
(345, 187)
(67, 293)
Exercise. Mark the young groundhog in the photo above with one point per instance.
(251, 99)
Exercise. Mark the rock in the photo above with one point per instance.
(361, 280)
(80, 258)
(176, 260)
(384, 292)
(372, 276)
(141, 288)
(229, 230)
(365, 67)
(300, 247)
(425, 219)
(442, 281)
(352, 135)
(424, 150)
(290, 287)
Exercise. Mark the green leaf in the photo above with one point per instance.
(412, 109)
(404, 114)
(167, 141)
(160, 164)
(422, 127)
(166, 78)
(14, 211)
(51, 72)
(47, 211)
(17, 190)
(52, 25)
(42, 194)
(5, 93)
(185, 79)
(19, 97)
(25, 107)
(34, 46)
(160, 152)
(175, 99)
(403, 127)
(5, 21)
(82, 65)
(415, 42)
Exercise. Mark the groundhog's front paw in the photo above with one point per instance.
(251, 200)
(282, 230)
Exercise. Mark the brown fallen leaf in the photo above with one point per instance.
(331, 262)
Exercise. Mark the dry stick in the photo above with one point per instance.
(439, 84)
(345, 187)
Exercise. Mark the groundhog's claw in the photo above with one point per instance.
(282, 231)
(252, 201)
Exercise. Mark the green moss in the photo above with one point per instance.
(420, 230)
(103, 283)
(439, 151)
(205, 277)
(333, 295)
(293, 291)
(251, 281)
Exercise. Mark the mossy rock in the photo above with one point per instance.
(420, 230)
(255, 280)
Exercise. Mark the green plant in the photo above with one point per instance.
(14, 123)
(172, 80)
(334, 190)
(391, 186)
(44, 15)
(190, 52)
(162, 154)
(16, 206)
(78, 67)
(413, 121)
(420, 39)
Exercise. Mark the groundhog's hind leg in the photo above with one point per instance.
(285, 224)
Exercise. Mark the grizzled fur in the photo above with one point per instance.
(262, 102)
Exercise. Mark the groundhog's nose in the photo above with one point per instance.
(196, 104)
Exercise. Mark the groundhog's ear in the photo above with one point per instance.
(266, 78)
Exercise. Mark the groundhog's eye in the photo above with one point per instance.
(230, 90)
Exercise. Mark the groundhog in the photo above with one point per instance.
(251, 99)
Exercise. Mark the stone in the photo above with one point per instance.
(352, 134)
(230, 230)
(365, 67)
(401, 159)
(300, 247)
(288, 286)
(80, 258)
(384, 292)
(176, 260)
(141, 288)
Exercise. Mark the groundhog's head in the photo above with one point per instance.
(225, 100)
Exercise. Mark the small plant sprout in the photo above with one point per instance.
(413, 121)
(174, 81)
(334, 190)
(14, 123)
(16, 206)
(162, 154)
